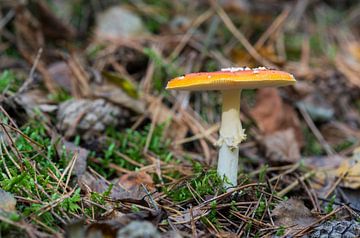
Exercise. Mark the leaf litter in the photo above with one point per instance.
(92, 145)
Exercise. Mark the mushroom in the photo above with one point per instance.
(230, 81)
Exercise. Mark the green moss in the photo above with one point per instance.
(9, 81)
(344, 145)
(131, 143)
(203, 182)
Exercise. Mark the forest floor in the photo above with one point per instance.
(92, 145)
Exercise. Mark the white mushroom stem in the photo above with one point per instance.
(231, 135)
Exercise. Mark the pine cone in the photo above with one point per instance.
(89, 117)
(337, 229)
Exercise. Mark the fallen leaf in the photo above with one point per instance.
(349, 170)
(293, 215)
(327, 162)
(282, 146)
(330, 168)
(134, 180)
(325, 168)
(90, 183)
(272, 114)
(186, 216)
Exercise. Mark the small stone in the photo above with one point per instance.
(117, 23)
(8, 202)
(138, 229)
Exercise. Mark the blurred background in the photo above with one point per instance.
(89, 76)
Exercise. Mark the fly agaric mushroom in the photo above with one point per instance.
(230, 81)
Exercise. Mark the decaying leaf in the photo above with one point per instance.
(293, 214)
(282, 146)
(272, 114)
(349, 170)
(90, 183)
(134, 180)
(186, 216)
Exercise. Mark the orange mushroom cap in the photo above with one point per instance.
(232, 78)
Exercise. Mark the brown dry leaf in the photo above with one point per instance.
(323, 166)
(293, 214)
(90, 183)
(330, 168)
(134, 180)
(272, 114)
(327, 162)
(282, 146)
(349, 170)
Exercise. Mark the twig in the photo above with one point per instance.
(193, 227)
(315, 131)
(277, 23)
(198, 21)
(309, 227)
(295, 183)
(6, 19)
(239, 36)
